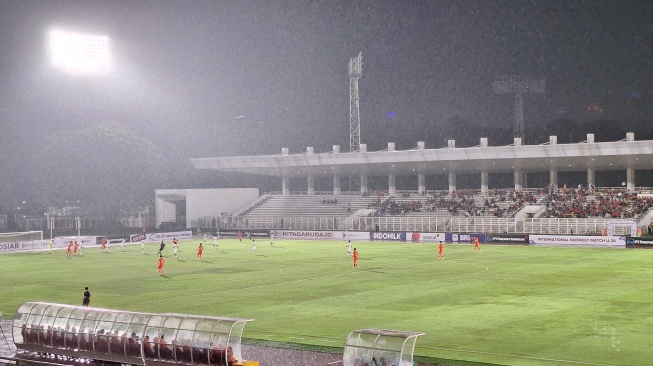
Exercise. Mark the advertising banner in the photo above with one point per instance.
(639, 241)
(388, 236)
(353, 235)
(417, 237)
(578, 240)
(180, 235)
(256, 233)
(85, 241)
(22, 246)
(508, 238)
(137, 238)
(464, 238)
(112, 239)
(305, 234)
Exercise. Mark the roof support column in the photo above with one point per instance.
(336, 178)
(392, 185)
(336, 185)
(484, 183)
(553, 180)
(364, 184)
(523, 179)
(591, 178)
(630, 180)
(484, 174)
(363, 180)
(310, 180)
(452, 183)
(421, 177)
(518, 180)
(553, 172)
(421, 183)
(392, 178)
(285, 186)
(311, 185)
(630, 172)
(285, 181)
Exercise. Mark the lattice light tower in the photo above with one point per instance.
(518, 85)
(355, 72)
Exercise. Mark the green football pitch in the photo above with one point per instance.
(506, 305)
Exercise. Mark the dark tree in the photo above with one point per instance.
(105, 168)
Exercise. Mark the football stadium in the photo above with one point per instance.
(162, 243)
(502, 276)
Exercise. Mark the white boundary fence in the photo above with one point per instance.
(478, 224)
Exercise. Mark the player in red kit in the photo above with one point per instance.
(75, 248)
(200, 249)
(355, 258)
(476, 244)
(160, 265)
(70, 249)
(240, 236)
(441, 251)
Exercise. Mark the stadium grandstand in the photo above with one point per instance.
(552, 209)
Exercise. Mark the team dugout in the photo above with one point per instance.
(380, 347)
(64, 331)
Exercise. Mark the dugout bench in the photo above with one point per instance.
(56, 334)
(380, 347)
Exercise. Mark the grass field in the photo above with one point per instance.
(508, 305)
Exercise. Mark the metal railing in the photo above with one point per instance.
(477, 224)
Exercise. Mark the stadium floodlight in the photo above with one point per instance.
(79, 53)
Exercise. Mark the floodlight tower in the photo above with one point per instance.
(518, 85)
(355, 72)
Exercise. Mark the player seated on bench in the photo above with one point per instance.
(133, 348)
(84, 343)
(147, 347)
(164, 350)
(101, 342)
(200, 356)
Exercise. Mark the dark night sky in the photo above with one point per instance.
(184, 70)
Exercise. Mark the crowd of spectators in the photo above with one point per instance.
(496, 203)
(581, 202)
(560, 203)
(329, 201)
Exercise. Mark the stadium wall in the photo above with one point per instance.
(199, 203)
(214, 202)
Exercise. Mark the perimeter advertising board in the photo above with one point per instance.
(112, 239)
(21, 246)
(354, 235)
(37, 245)
(137, 237)
(508, 238)
(179, 235)
(417, 237)
(387, 236)
(304, 234)
(464, 238)
(256, 233)
(84, 241)
(322, 235)
(639, 241)
(578, 240)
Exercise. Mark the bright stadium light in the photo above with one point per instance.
(79, 53)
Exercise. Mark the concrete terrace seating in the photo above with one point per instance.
(304, 205)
